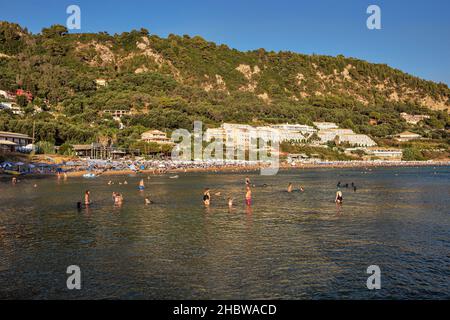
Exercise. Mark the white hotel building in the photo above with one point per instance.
(240, 135)
(345, 135)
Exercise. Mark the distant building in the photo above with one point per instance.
(11, 106)
(303, 128)
(118, 113)
(327, 135)
(385, 153)
(101, 82)
(155, 136)
(6, 95)
(357, 140)
(407, 136)
(9, 141)
(413, 119)
(238, 135)
(325, 125)
(215, 133)
(27, 94)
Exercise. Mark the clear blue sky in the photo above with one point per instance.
(415, 35)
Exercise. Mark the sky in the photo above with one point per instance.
(414, 35)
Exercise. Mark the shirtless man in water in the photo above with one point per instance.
(87, 198)
(290, 186)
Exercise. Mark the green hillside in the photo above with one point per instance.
(169, 83)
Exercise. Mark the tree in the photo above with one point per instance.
(412, 154)
(55, 30)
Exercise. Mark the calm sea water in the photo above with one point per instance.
(289, 246)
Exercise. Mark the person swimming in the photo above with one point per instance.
(248, 196)
(290, 187)
(247, 181)
(302, 189)
(339, 198)
(148, 201)
(141, 186)
(206, 197)
(118, 200)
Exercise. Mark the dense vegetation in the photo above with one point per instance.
(169, 83)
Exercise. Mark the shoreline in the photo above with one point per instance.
(242, 168)
(237, 169)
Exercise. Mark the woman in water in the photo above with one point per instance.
(339, 199)
(248, 196)
(206, 197)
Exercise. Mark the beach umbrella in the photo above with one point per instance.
(19, 163)
(31, 166)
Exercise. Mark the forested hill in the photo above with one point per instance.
(169, 82)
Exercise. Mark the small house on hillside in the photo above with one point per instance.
(407, 136)
(155, 136)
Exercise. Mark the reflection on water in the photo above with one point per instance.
(287, 245)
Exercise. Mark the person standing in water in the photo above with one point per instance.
(141, 185)
(248, 196)
(87, 198)
(289, 188)
(247, 181)
(339, 199)
(206, 197)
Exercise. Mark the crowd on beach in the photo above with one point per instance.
(99, 167)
